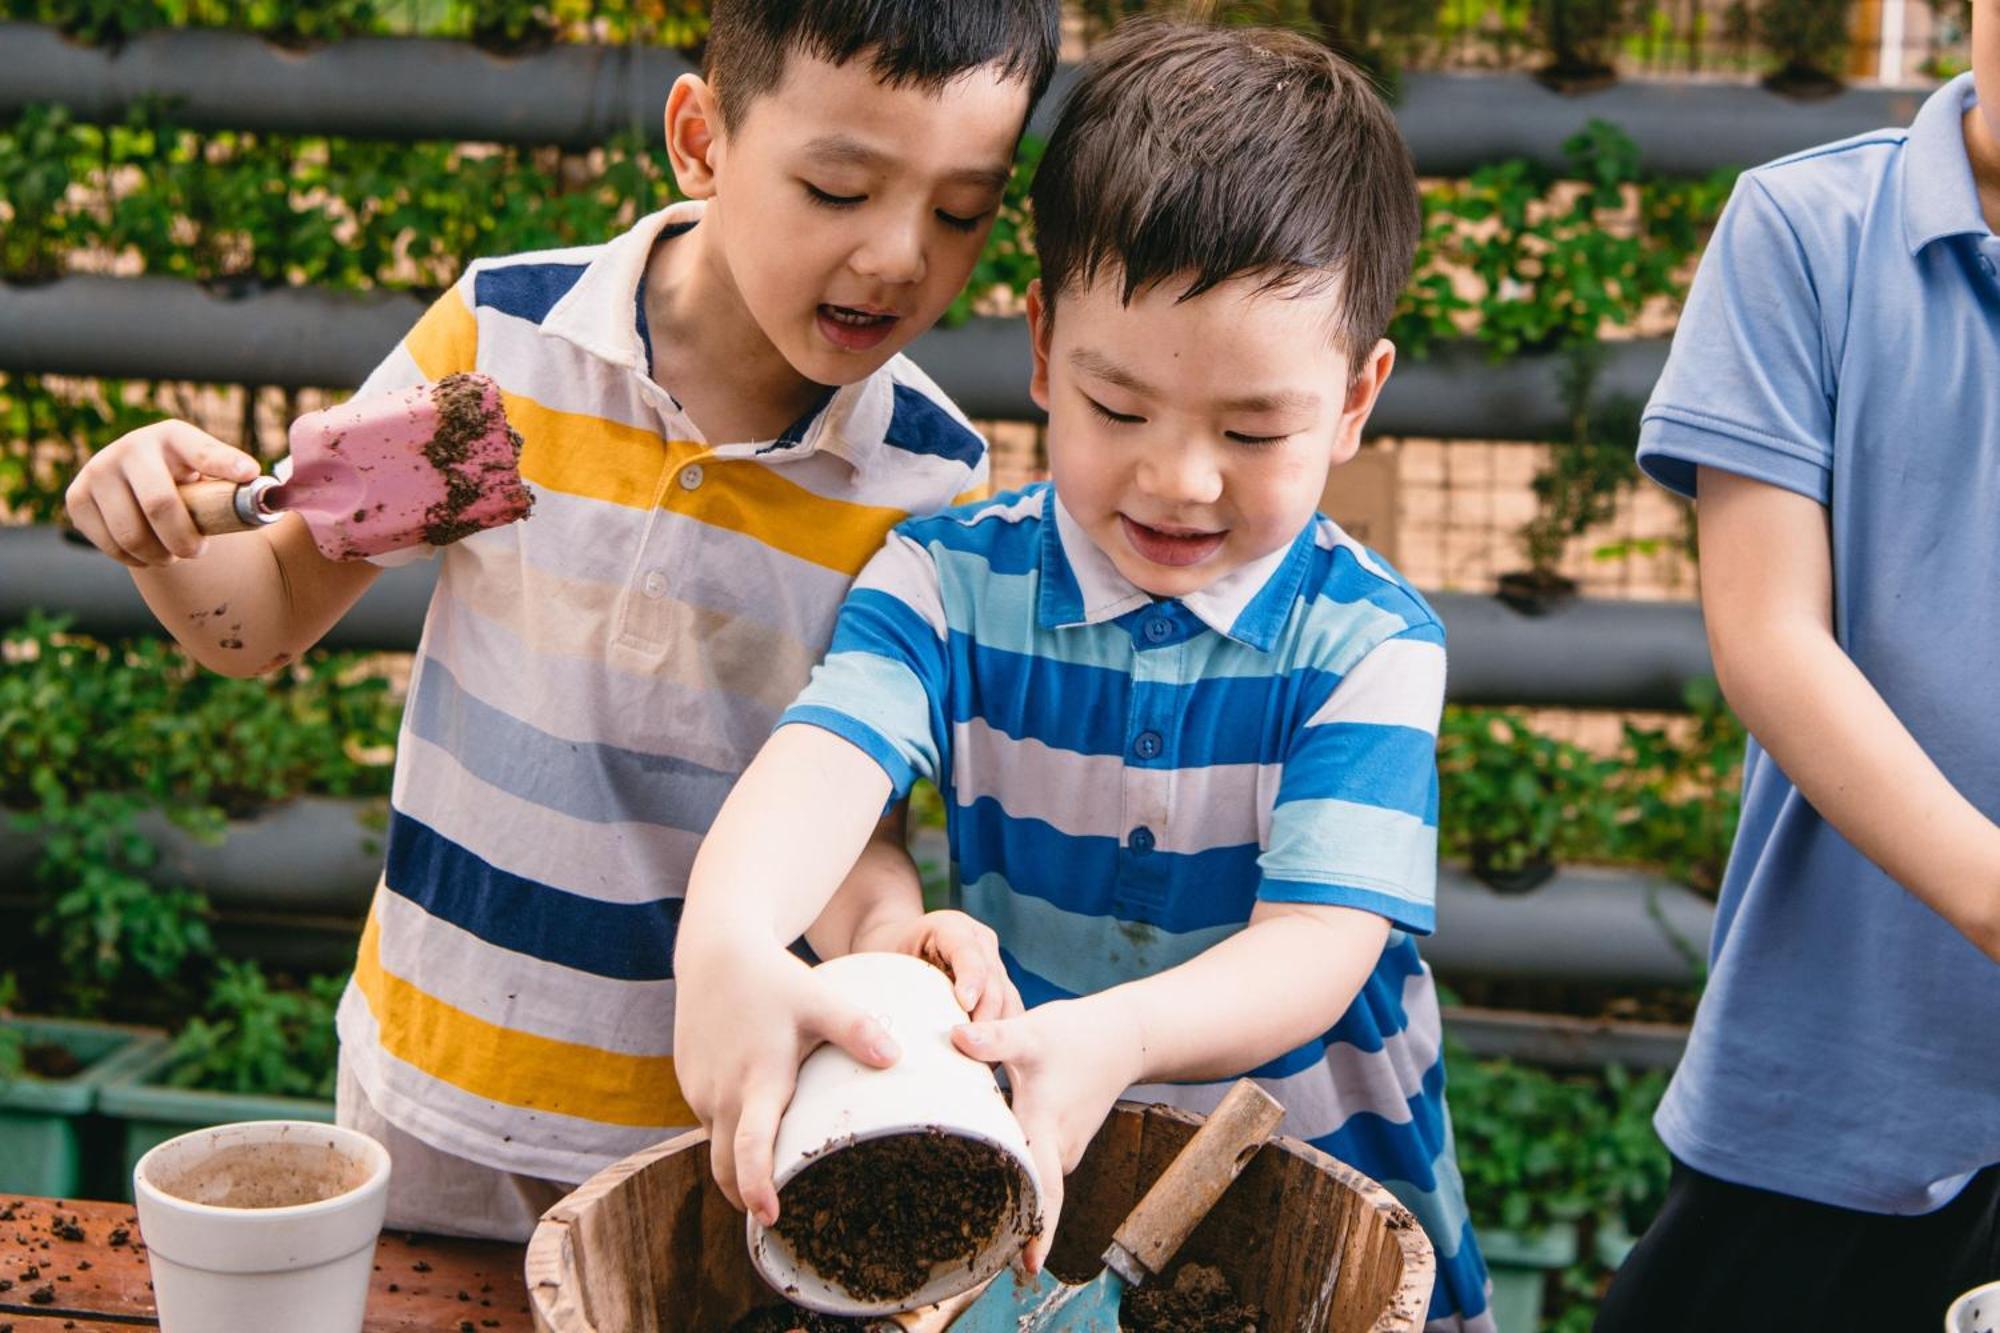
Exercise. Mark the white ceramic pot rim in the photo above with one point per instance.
(1024, 1170)
(1963, 1303)
(376, 1155)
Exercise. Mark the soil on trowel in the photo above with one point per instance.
(463, 421)
(879, 1217)
(1199, 1300)
(791, 1319)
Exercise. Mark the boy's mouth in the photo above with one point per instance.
(855, 328)
(1171, 546)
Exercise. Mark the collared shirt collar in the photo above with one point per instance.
(604, 314)
(1939, 196)
(1081, 586)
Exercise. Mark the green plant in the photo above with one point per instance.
(1584, 477)
(1514, 801)
(1808, 38)
(1682, 799)
(94, 735)
(1579, 36)
(254, 1038)
(38, 165)
(13, 1046)
(1538, 1148)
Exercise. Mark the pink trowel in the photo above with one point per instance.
(426, 466)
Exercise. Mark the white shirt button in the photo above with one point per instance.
(691, 476)
(655, 584)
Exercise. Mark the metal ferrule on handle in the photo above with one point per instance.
(220, 507)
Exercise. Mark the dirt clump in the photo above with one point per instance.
(879, 1217)
(1199, 1300)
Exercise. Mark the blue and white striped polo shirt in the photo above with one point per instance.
(1125, 778)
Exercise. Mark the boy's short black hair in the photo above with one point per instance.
(1208, 153)
(925, 43)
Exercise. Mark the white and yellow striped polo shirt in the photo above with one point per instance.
(589, 685)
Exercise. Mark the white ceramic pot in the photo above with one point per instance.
(1978, 1311)
(266, 1224)
(932, 1088)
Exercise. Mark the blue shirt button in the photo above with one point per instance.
(1159, 629)
(1147, 745)
(1141, 840)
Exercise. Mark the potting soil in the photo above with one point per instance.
(879, 1217)
(1198, 1300)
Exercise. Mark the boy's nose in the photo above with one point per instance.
(892, 254)
(1187, 475)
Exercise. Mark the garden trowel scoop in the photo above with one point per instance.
(428, 465)
(1147, 1240)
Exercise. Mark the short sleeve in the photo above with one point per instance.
(1748, 387)
(882, 683)
(1355, 820)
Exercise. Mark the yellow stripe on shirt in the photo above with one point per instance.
(605, 460)
(510, 1066)
(446, 340)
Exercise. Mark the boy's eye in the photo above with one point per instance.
(957, 223)
(1241, 438)
(830, 200)
(1120, 418)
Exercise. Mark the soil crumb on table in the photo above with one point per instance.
(1200, 1300)
(879, 1217)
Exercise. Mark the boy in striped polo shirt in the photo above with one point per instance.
(1184, 726)
(719, 431)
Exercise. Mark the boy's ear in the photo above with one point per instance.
(1363, 388)
(1038, 338)
(694, 135)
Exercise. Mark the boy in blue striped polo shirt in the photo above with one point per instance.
(1184, 726)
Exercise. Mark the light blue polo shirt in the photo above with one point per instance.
(1842, 340)
(1126, 778)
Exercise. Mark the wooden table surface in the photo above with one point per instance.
(73, 1267)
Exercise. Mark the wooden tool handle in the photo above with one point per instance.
(1189, 1187)
(213, 504)
(220, 507)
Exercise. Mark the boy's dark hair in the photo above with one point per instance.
(1207, 153)
(925, 43)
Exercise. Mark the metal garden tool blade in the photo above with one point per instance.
(1149, 1237)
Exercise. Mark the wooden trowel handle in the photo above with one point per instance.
(220, 507)
(1152, 1232)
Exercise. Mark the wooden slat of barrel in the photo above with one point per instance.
(650, 1244)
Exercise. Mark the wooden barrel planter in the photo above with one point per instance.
(649, 1244)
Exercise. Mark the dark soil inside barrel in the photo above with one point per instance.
(879, 1217)
(1198, 1300)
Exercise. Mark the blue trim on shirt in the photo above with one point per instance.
(622, 941)
(918, 425)
(525, 291)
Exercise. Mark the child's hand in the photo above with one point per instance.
(967, 951)
(1068, 1062)
(126, 498)
(737, 1054)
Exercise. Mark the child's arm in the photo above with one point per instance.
(1767, 595)
(1281, 981)
(278, 592)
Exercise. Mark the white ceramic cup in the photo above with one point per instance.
(266, 1224)
(1978, 1311)
(933, 1088)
